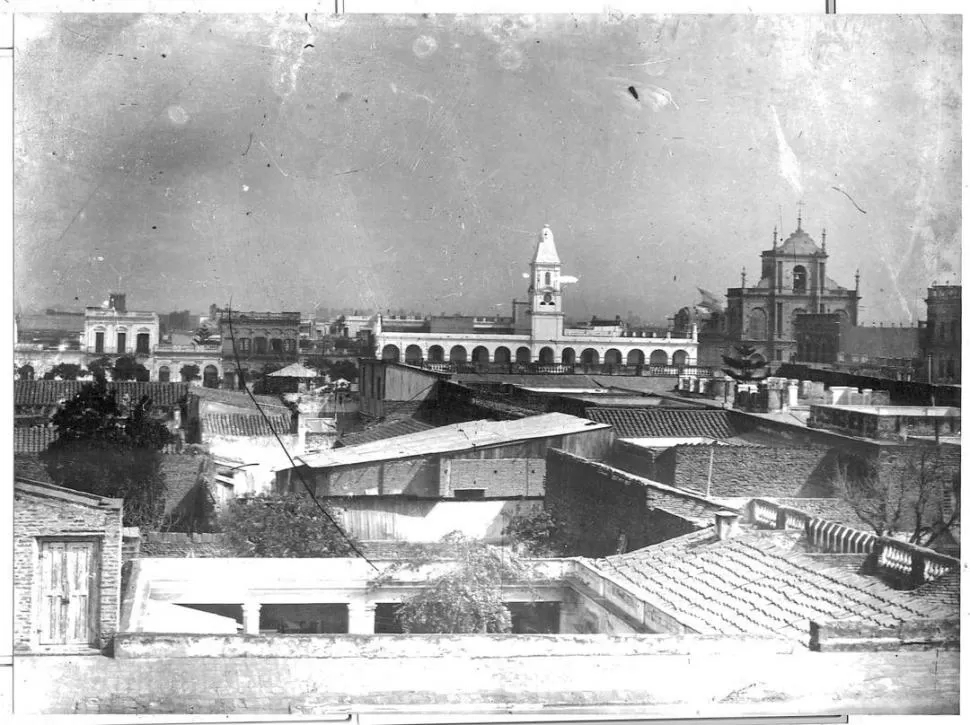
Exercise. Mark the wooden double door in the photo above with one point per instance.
(69, 586)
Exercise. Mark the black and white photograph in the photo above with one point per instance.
(413, 364)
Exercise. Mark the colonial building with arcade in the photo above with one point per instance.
(535, 333)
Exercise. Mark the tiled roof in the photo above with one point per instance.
(244, 425)
(380, 431)
(34, 439)
(51, 392)
(664, 422)
(756, 584)
(238, 398)
(851, 563)
(944, 591)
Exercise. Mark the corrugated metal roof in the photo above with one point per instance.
(42, 488)
(457, 437)
(237, 398)
(382, 431)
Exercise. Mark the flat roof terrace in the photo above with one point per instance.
(907, 411)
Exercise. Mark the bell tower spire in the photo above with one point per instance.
(545, 289)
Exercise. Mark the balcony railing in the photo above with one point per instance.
(898, 559)
(514, 368)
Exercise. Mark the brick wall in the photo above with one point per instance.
(771, 472)
(500, 477)
(410, 476)
(635, 459)
(519, 473)
(37, 517)
(599, 504)
(740, 679)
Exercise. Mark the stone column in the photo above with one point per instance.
(251, 617)
(774, 400)
(839, 394)
(360, 617)
(792, 394)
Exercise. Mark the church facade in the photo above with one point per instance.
(536, 332)
(793, 282)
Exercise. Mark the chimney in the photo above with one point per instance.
(727, 525)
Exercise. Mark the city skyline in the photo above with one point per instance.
(407, 162)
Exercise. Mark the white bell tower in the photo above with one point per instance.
(545, 289)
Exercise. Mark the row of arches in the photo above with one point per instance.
(210, 374)
(523, 354)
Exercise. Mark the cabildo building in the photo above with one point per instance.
(535, 333)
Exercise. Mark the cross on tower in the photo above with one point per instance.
(800, 205)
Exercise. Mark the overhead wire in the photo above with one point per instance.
(299, 474)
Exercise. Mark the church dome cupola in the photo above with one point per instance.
(800, 243)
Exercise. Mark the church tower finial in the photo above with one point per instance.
(545, 290)
(744, 275)
(800, 205)
(774, 240)
(857, 280)
(823, 240)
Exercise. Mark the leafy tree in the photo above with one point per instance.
(747, 367)
(538, 532)
(346, 369)
(289, 525)
(101, 367)
(919, 498)
(190, 373)
(25, 372)
(204, 336)
(467, 597)
(64, 371)
(127, 367)
(104, 450)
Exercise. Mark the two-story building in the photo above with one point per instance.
(113, 329)
(256, 341)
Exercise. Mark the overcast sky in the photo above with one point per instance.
(290, 163)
